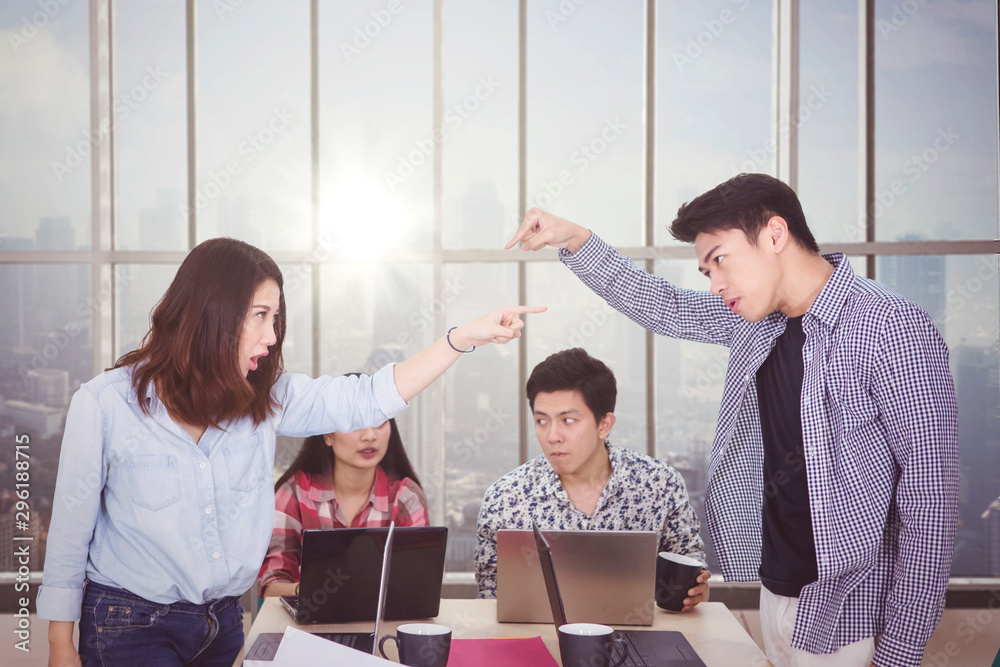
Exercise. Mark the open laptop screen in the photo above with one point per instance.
(341, 574)
(549, 574)
(606, 576)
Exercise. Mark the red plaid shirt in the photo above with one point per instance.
(307, 502)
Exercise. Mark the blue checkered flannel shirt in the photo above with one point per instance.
(880, 433)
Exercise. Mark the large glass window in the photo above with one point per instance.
(713, 99)
(253, 118)
(585, 114)
(936, 121)
(827, 121)
(479, 93)
(961, 294)
(46, 133)
(376, 124)
(480, 407)
(150, 126)
(422, 128)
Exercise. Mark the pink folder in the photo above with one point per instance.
(500, 652)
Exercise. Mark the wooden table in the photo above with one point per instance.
(711, 628)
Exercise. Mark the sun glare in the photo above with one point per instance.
(361, 219)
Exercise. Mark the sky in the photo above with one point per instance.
(935, 77)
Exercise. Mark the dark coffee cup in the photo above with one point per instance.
(675, 576)
(420, 644)
(590, 645)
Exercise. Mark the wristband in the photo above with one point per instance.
(448, 336)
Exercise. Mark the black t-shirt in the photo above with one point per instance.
(788, 555)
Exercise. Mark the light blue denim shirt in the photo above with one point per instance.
(139, 506)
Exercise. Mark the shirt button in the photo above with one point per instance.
(208, 510)
(203, 465)
(215, 555)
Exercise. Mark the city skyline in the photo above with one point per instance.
(34, 388)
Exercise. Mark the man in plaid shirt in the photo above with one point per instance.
(834, 471)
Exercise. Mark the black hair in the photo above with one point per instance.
(745, 202)
(317, 458)
(575, 369)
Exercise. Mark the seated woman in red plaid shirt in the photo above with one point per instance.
(339, 480)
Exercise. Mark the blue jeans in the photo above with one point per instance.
(120, 628)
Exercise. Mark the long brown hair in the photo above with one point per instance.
(317, 458)
(191, 351)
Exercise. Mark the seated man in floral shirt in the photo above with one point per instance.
(582, 482)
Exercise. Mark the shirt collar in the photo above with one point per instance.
(319, 490)
(151, 397)
(547, 484)
(830, 301)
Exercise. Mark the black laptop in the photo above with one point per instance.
(341, 570)
(646, 648)
(266, 646)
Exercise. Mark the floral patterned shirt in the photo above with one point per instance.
(641, 494)
(308, 502)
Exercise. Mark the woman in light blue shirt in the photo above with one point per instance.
(164, 502)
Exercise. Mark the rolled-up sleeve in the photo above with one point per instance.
(75, 506)
(327, 404)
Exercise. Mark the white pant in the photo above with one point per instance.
(777, 620)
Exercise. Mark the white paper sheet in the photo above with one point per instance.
(301, 649)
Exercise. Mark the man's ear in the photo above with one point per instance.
(605, 425)
(777, 233)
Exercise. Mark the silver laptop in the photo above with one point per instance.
(605, 576)
(645, 648)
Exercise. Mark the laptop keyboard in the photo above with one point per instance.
(635, 659)
(356, 640)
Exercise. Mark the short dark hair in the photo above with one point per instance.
(744, 202)
(575, 369)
